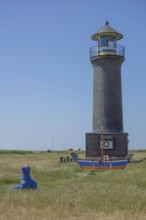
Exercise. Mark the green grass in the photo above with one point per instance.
(65, 192)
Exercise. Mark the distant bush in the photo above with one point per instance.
(15, 152)
(138, 151)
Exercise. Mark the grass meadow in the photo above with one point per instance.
(65, 192)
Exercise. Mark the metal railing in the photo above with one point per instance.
(119, 50)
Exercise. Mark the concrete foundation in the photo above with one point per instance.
(116, 144)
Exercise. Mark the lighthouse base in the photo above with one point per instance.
(115, 144)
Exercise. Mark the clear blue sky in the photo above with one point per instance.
(46, 78)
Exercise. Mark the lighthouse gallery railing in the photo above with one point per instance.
(119, 50)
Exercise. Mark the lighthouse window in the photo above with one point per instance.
(107, 41)
(103, 41)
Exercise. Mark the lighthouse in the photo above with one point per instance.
(107, 57)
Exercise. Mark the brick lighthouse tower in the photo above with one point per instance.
(107, 58)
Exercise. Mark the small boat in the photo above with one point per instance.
(100, 163)
(96, 164)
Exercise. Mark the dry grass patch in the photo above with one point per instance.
(62, 194)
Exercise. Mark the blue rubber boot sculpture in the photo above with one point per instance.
(26, 181)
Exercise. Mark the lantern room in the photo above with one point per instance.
(107, 42)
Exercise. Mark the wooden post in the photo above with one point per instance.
(102, 146)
